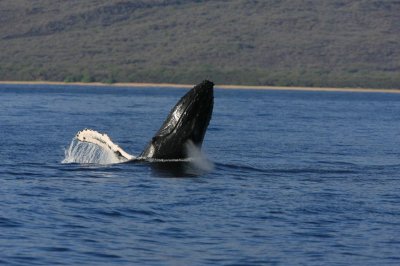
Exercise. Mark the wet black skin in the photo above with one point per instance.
(187, 121)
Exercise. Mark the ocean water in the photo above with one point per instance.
(309, 178)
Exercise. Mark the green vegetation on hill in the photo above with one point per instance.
(336, 43)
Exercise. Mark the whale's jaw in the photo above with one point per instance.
(187, 122)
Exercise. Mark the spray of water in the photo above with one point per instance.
(197, 158)
(89, 153)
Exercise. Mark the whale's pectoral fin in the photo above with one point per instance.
(102, 140)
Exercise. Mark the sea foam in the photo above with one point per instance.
(89, 153)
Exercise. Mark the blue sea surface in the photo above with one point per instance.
(309, 178)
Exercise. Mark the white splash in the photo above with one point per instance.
(198, 158)
(103, 140)
(92, 147)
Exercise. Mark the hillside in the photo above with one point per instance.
(270, 42)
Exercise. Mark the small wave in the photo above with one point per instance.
(312, 171)
(102, 255)
(89, 153)
(283, 170)
(240, 167)
(5, 222)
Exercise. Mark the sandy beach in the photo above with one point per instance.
(171, 85)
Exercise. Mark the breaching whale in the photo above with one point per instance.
(185, 125)
(187, 122)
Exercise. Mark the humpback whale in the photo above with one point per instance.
(187, 122)
(185, 126)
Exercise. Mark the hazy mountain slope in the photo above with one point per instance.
(280, 42)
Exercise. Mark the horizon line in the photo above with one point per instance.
(222, 86)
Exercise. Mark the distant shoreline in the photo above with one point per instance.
(171, 85)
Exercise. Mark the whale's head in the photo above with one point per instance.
(186, 123)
